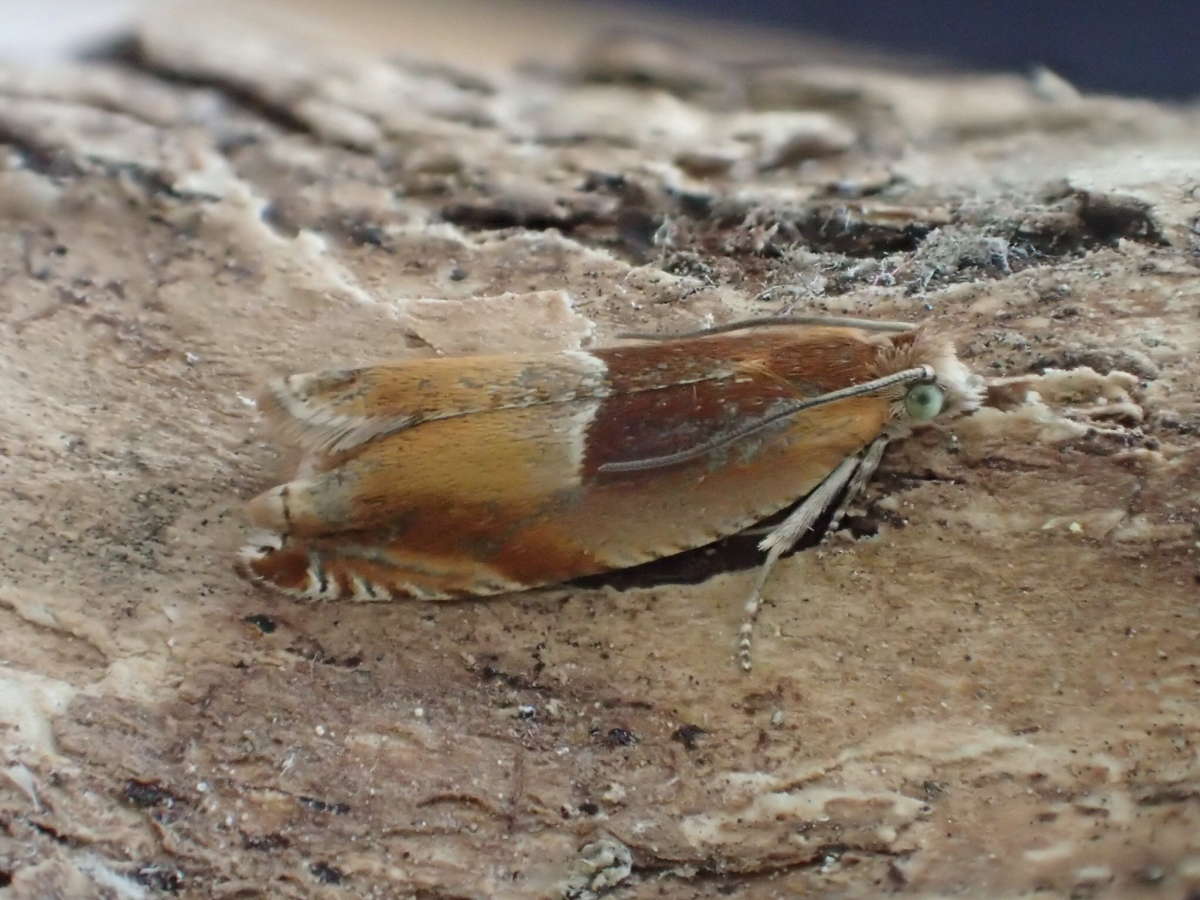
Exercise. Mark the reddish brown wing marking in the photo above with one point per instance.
(671, 397)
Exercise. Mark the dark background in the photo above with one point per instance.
(1151, 48)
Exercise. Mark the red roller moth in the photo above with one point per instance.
(461, 477)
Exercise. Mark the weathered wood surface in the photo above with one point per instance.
(986, 685)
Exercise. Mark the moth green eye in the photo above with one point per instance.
(923, 401)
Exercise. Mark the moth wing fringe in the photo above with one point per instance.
(303, 417)
(320, 572)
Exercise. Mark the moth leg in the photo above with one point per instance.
(870, 462)
(785, 535)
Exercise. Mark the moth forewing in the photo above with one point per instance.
(447, 478)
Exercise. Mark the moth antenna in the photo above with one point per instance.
(784, 537)
(908, 376)
(766, 321)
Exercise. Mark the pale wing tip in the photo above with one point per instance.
(303, 410)
(285, 396)
(269, 510)
(259, 543)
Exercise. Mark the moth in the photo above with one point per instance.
(459, 477)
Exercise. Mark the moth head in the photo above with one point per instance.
(950, 388)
